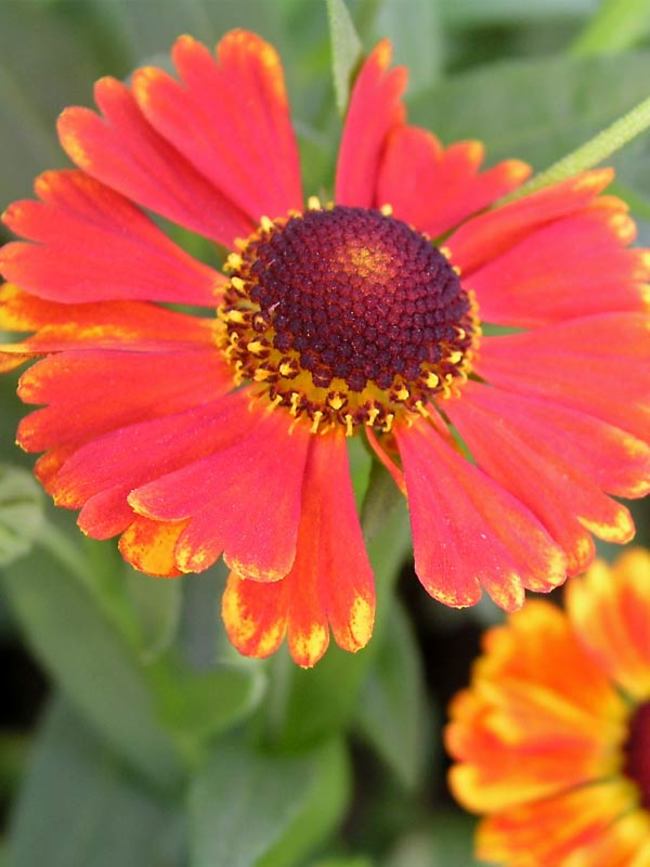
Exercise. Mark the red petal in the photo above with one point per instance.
(95, 245)
(597, 365)
(485, 237)
(244, 500)
(123, 151)
(114, 464)
(92, 392)
(527, 447)
(229, 119)
(572, 267)
(616, 461)
(468, 531)
(118, 325)
(330, 583)
(375, 108)
(441, 187)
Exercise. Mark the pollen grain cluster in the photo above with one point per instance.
(346, 315)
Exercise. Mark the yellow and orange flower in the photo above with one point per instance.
(552, 739)
(194, 436)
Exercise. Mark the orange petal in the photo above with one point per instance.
(548, 832)
(229, 119)
(243, 499)
(502, 432)
(541, 716)
(94, 245)
(468, 531)
(330, 583)
(375, 108)
(149, 546)
(122, 150)
(489, 235)
(442, 187)
(574, 266)
(596, 364)
(610, 610)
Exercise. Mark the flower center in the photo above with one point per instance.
(346, 315)
(637, 752)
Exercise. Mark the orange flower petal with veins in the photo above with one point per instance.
(330, 583)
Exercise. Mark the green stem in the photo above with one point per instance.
(593, 152)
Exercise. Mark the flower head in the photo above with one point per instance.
(193, 436)
(552, 739)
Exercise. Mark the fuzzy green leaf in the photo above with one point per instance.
(79, 807)
(252, 809)
(346, 50)
(21, 512)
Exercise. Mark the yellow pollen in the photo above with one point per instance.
(261, 374)
(238, 283)
(313, 203)
(256, 347)
(372, 416)
(295, 400)
(445, 251)
(432, 380)
(277, 400)
(424, 412)
(403, 393)
(455, 357)
(286, 368)
(349, 425)
(336, 402)
(234, 261)
(388, 424)
(387, 210)
(461, 333)
(266, 223)
(235, 316)
(318, 415)
(456, 270)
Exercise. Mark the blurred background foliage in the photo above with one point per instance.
(133, 736)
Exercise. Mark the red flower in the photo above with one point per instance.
(192, 436)
(553, 737)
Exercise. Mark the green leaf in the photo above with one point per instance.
(89, 657)
(21, 512)
(198, 705)
(360, 466)
(447, 840)
(158, 715)
(79, 807)
(540, 110)
(156, 604)
(345, 861)
(346, 50)
(617, 26)
(416, 33)
(470, 13)
(251, 809)
(393, 712)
